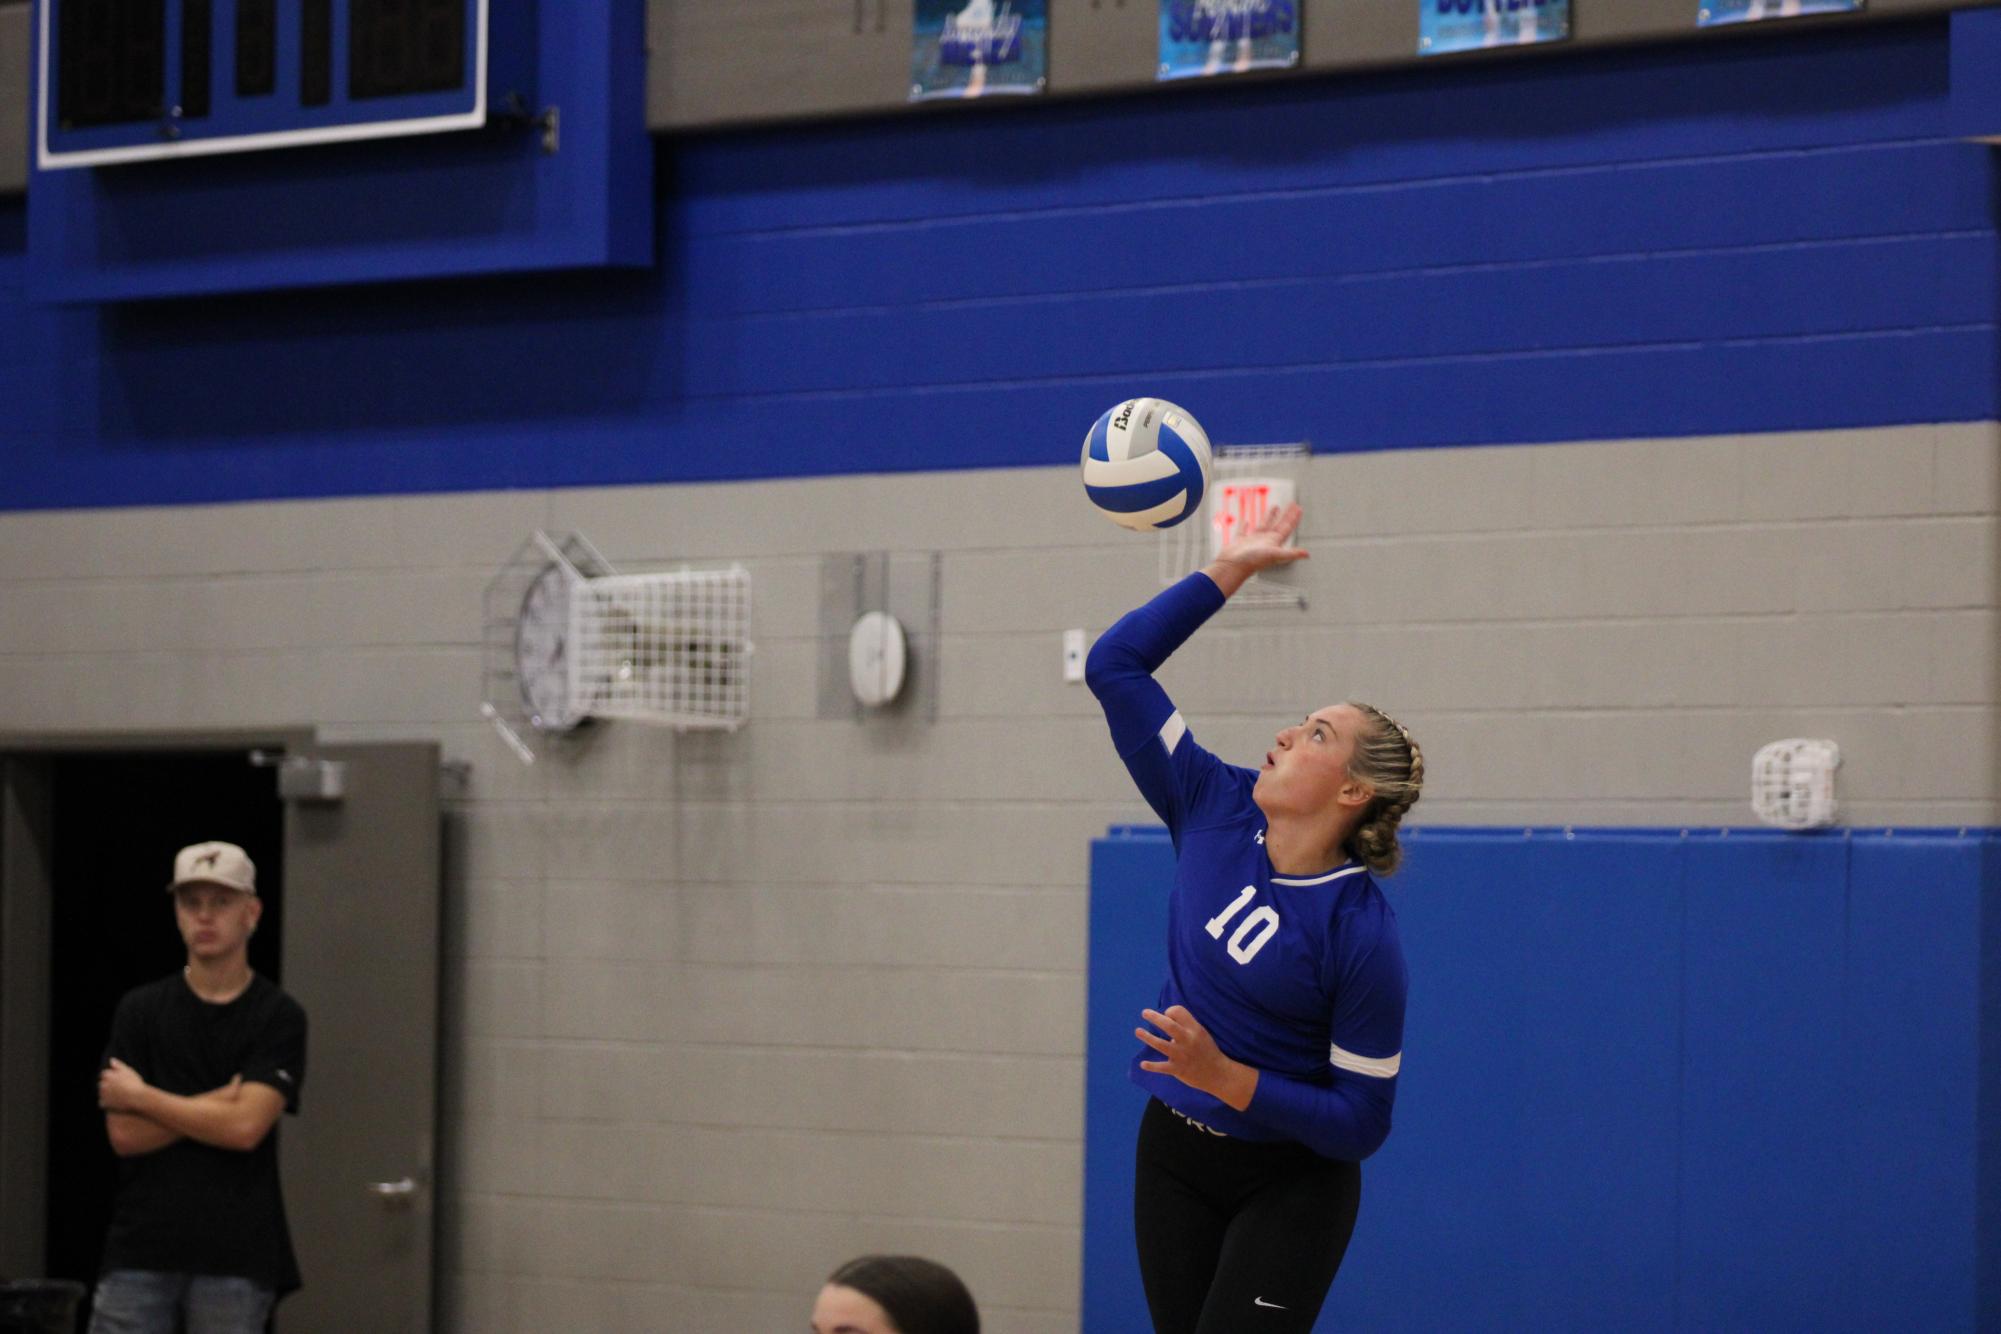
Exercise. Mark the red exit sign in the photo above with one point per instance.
(1240, 505)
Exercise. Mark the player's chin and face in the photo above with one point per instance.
(1304, 771)
(1286, 790)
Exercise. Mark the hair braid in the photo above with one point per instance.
(1387, 758)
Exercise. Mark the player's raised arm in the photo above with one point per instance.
(1170, 770)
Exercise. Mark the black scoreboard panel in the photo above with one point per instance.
(315, 52)
(113, 62)
(197, 36)
(129, 76)
(256, 47)
(399, 47)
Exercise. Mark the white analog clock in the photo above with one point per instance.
(567, 640)
(542, 652)
(877, 656)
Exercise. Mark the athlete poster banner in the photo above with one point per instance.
(1717, 12)
(978, 48)
(1473, 25)
(1202, 37)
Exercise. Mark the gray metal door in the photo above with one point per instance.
(361, 954)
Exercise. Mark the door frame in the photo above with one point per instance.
(26, 908)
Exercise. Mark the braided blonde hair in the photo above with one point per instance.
(1387, 758)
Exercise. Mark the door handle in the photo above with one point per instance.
(390, 1192)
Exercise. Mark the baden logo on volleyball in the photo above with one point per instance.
(1146, 464)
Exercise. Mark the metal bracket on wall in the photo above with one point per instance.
(304, 777)
(513, 110)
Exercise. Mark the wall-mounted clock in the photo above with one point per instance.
(877, 657)
(569, 640)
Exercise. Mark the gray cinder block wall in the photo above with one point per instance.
(726, 1010)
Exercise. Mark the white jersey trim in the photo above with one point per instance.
(1381, 1067)
(1323, 879)
(1172, 731)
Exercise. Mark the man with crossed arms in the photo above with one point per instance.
(200, 1065)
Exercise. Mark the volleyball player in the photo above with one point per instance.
(1273, 1049)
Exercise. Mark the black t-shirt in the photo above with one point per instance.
(191, 1208)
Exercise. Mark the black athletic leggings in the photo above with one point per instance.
(1236, 1235)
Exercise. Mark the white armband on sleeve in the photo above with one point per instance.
(1380, 1067)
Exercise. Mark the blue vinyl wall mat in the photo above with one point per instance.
(1653, 1080)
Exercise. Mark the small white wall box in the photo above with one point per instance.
(1792, 783)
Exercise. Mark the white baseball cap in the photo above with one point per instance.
(222, 864)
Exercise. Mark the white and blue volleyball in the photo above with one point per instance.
(1146, 464)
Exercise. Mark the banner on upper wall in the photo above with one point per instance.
(1204, 37)
(1473, 25)
(978, 48)
(1714, 13)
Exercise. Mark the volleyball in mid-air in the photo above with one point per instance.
(1146, 464)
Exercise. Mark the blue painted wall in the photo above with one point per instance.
(1652, 1081)
(1771, 233)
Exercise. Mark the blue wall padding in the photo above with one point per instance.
(1778, 232)
(1771, 1095)
(1906, 996)
(1653, 1080)
(1128, 926)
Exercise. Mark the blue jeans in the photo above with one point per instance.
(145, 1301)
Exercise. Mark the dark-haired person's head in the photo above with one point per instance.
(894, 1294)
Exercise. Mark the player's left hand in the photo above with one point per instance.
(119, 1087)
(1194, 1058)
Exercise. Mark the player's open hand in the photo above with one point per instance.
(1194, 1058)
(1264, 546)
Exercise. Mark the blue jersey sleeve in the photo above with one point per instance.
(1178, 778)
(1349, 1117)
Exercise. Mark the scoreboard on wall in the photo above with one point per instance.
(131, 80)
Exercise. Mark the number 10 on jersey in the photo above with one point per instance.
(1251, 933)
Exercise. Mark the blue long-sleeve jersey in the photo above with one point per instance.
(1301, 977)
